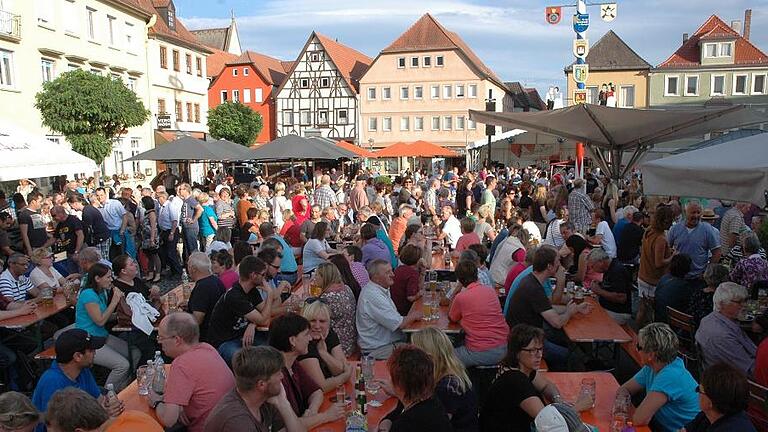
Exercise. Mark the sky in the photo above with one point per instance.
(511, 36)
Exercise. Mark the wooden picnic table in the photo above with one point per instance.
(136, 402)
(569, 384)
(596, 326)
(443, 323)
(41, 313)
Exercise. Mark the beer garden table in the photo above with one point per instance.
(42, 312)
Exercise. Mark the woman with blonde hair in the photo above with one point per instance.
(483, 228)
(341, 302)
(611, 203)
(506, 211)
(452, 385)
(279, 205)
(539, 207)
(289, 219)
(325, 361)
(44, 274)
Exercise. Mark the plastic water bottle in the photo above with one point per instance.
(158, 380)
(184, 277)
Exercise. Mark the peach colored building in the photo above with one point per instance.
(422, 86)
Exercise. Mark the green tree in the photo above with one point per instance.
(235, 122)
(90, 110)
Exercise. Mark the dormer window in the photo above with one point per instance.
(171, 17)
(725, 49)
(718, 49)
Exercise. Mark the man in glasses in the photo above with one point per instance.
(241, 310)
(13, 284)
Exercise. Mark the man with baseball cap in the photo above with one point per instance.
(75, 349)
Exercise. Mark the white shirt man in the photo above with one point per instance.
(451, 228)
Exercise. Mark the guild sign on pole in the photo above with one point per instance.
(553, 14)
(580, 48)
(580, 22)
(580, 73)
(608, 12)
(580, 96)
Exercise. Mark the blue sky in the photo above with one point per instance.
(510, 36)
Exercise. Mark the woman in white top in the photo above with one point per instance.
(279, 204)
(44, 274)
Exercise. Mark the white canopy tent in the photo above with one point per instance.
(23, 155)
(735, 170)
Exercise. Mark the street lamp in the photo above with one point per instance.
(490, 130)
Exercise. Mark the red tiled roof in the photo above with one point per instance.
(287, 65)
(161, 29)
(689, 54)
(352, 64)
(535, 98)
(215, 62)
(427, 34)
(355, 149)
(270, 68)
(416, 149)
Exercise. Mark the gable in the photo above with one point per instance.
(612, 53)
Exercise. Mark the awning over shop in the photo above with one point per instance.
(294, 147)
(27, 156)
(361, 152)
(419, 148)
(187, 148)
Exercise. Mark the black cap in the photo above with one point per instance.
(76, 340)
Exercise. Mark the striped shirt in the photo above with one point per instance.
(14, 289)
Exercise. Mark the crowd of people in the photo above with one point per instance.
(249, 353)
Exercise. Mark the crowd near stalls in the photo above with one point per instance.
(485, 300)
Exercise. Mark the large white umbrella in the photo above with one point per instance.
(23, 155)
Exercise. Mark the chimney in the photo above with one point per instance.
(736, 26)
(685, 38)
(747, 23)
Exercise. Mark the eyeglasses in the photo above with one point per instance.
(276, 267)
(163, 338)
(539, 350)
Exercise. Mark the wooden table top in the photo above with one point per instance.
(569, 384)
(596, 326)
(136, 402)
(443, 323)
(42, 312)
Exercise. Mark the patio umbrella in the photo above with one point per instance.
(735, 170)
(361, 152)
(608, 132)
(416, 149)
(294, 147)
(187, 148)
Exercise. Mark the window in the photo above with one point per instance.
(96, 71)
(176, 65)
(691, 85)
(129, 37)
(44, 12)
(405, 123)
(435, 91)
(447, 123)
(670, 85)
(305, 117)
(447, 91)
(91, 15)
(199, 66)
(342, 117)
(171, 19)
(325, 82)
(459, 91)
(401, 62)
(471, 124)
(740, 84)
(258, 95)
(304, 83)
(246, 95)
(371, 93)
(197, 113)
(116, 77)
(111, 29)
(161, 106)
(135, 145)
(418, 92)
(288, 118)
(179, 114)
(435, 123)
(188, 59)
(47, 69)
(426, 61)
(315, 57)
(386, 124)
(593, 95)
(163, 57)
(71, 67)
(414, 62)
(190, 113)
(710, 50)
(472, 90)
(758, 84)
(372, 124)
(223, 96)
(245, 71)
(71, 23)
(439, 61)
(718, 85)
(235, 95)
(725, 49)
(404, 92)
(6, 69)
(322, 117)
(234, 72)
(386, 93)
(131, 84)
(418, 123)
(627, 96)
(459, 122)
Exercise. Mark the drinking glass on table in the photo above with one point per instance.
(589, 388)
(373, 387)
(341, 397)
(142, 381)
(173, 302)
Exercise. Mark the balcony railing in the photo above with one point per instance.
(10, 26)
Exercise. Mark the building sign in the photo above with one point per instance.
(580, 22)
(580, 73)
(608, 12)
(580, 96)
(580, 48)
(553, 14)
(163, 121)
